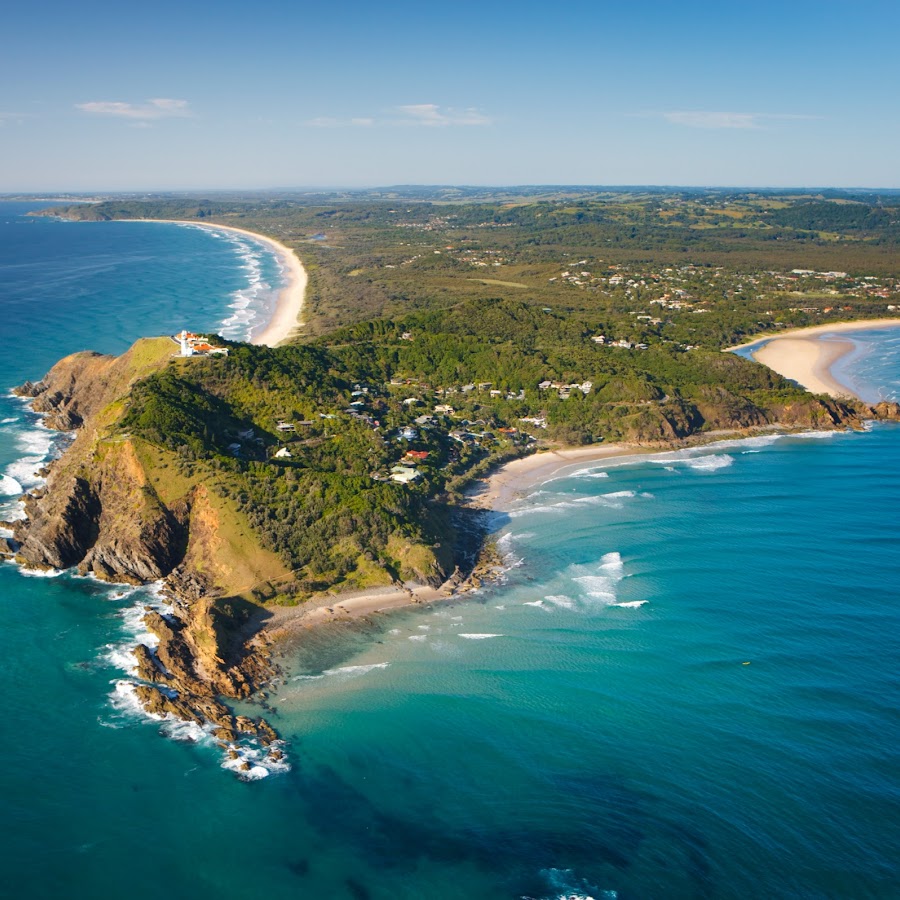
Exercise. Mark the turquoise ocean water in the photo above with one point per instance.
(686, 686)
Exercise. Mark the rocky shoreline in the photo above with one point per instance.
(100, 512)
(96, 513)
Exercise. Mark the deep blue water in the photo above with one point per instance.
(687, 686)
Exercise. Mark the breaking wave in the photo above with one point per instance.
(38, 445)
(707, 463)
(612, 500)
(252, 305)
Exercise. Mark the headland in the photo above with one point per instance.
(275, 492)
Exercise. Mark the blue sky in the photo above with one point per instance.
(194, 95)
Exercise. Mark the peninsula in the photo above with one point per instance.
(333, 474)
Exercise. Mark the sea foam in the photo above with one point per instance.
(600, 584)
(252, 303)
(246, 758)
(9, 487)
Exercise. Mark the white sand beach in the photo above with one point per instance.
(807, 355)
(289, 621)
(517, 477)
(286, 318)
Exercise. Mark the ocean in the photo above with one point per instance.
(685, 686)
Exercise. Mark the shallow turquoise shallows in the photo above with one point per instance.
(688, 685)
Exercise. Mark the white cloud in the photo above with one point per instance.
(434, 116)
(718, 120)
(161, 108)
(429, 115)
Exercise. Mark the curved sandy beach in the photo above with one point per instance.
(286, 318)
(807, 355)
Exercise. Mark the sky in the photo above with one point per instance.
(193, 95)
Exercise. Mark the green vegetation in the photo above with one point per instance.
(382, 253)
(447, 330)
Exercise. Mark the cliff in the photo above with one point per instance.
(716, 410)
(114, 507)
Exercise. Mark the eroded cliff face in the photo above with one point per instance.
(104, 511)
(97, 510)
(718, 410)
(102, 516)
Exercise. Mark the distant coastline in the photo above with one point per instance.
(289, 307)
(807, 356)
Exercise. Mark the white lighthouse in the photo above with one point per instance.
(186, 349)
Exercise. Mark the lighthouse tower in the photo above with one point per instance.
(186, 349)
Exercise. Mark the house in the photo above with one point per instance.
(420, 455)
(404, 474)
(286, 426)
(545, 385)
(283, 453)
(408, 434)
(443, 408)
